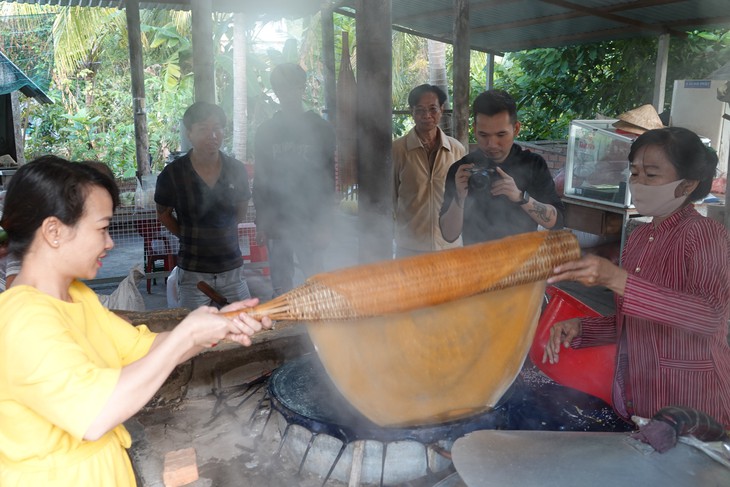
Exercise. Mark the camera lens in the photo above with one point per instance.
(479, 180)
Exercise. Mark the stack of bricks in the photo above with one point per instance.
(554, 152)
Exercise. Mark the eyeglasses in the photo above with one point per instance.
(433, 111)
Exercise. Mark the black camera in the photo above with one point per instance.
(481, 175)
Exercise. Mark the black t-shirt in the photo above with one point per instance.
(208, 217)
(294, 186)
(488, 217)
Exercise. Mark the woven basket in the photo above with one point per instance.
(396, 286)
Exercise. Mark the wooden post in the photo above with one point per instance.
(374, 122)
(203, 52)
(660, 80)
(462, 49)
(328, 61)
(136, 66)
(18, 131)
(489, 68)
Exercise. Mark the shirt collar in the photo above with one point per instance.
(413, 142)
(676, 217)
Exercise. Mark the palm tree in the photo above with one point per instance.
(437, 75)
(240, 95)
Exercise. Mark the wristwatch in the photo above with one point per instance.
(525, 198)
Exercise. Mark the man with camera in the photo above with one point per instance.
(499, 189)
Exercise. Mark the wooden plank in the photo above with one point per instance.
(592, 220)
(660, 78)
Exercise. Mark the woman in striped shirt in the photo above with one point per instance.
(673, 293)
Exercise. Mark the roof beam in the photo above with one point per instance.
(593, 36)
(448, 12)
(724, 21)
(572, 14)
(616, 18)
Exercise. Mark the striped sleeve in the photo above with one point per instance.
(697, 291)
(600, 330)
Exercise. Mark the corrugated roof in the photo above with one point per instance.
(12, 79)
(496, 25)
(513, 25)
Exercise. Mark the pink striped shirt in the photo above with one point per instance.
(672, 322)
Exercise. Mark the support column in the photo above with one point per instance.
(136, 66)
(328, 62)
(18, 129)
(462, 53)
(489, 71)
(374, 126)
(660, 79)
(203, 52)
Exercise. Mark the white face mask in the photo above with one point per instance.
(656, 200)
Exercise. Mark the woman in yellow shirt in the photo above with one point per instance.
(71, 372)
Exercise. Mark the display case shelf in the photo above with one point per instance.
(597, 166)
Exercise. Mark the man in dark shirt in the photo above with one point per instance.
(294, 187)
(201, 197)
(499, 189)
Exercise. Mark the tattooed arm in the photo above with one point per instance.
(543, 214)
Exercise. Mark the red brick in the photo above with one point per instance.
(181, 468)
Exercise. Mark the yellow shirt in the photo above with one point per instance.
(59, 363)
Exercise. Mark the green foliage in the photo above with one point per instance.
(92, 117)
(554, 86)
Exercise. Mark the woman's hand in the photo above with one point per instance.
(249, 322)
(206, 326)
(591, 270)
(561, 333)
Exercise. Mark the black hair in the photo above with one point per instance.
(200, 111)
(49, 186)
(287, 76)
(492, 102)
(690, 157)
(416, 93)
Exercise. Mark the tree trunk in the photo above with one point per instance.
(240, 95)
(328, 61)
(437, 76)
(346, 127)
(136, 64)
(203, 52)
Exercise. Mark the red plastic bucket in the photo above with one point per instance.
(587, 369)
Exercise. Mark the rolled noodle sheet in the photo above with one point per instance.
(433, 364)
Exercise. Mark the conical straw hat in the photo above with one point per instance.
(639, 120)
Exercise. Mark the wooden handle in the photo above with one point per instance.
(254, 312)
(214, 295)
